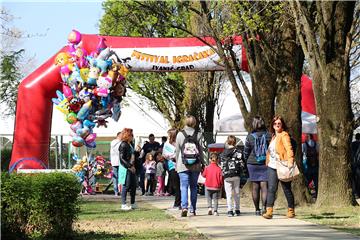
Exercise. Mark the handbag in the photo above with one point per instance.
(284, 173)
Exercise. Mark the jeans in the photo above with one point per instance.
(142, 180)
(188, 179)
(273, 182)
(212, 196)
(124, 192)
(231, 185)
(115, 179)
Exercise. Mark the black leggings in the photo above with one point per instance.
(273, 182)
(256, 186)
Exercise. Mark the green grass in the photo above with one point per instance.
(343, 219)
(104, 220)
(95, 210)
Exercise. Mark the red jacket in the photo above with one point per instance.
(214, 179)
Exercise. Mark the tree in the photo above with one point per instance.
(325, 33)
(10, 62)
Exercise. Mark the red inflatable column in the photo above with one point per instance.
(33, 117)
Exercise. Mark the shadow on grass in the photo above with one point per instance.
(97, 235)
(326, 215)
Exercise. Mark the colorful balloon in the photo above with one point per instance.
(74, 37)
(71, 118)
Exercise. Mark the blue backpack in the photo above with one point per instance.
(260, 148)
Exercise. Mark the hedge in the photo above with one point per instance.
(41, 206)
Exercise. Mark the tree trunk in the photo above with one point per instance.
(288, 100)
(328, 54)
(335, 134)
(201, 101)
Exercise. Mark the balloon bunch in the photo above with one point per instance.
(103, 167)
(82, 170)
(92, 88)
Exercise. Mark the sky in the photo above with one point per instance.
(50, 22)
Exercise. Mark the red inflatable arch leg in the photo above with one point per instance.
(33, 117)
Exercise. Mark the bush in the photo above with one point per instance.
(40, 205)
(5, 159)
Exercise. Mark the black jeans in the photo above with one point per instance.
(273, 182)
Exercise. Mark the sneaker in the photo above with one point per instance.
(237, 212)
(134, 206)
(184, 213)
(193, 213)
(216, 213)
(125, 207)
(210, 211)
(230, 213)
(258, 213)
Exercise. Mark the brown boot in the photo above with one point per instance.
(269, 213)
(291, 213)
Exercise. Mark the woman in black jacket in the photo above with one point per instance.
(127, 161)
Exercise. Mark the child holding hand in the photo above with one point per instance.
(213, 183)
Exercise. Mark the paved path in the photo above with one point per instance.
(247, 226)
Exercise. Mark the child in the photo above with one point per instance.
(213, 183)
(150, 169)
(231, 165)
(160, 174)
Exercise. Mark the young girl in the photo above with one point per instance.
(150, 169)
(160, 174)
(213, 183)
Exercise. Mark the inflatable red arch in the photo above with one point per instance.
(34, 105)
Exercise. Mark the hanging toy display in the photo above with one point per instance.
(93, 87)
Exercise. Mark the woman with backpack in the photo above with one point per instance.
(280, 149)
(256, 145)
(189, 162)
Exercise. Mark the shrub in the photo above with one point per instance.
(39, 205)
(5, 159)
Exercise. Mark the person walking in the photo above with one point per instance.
(189, 161)
(127, 169)
(256, 146)
(232, 165)
(114, 159)
(279, 149)
(213, 183)
(169, 153)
